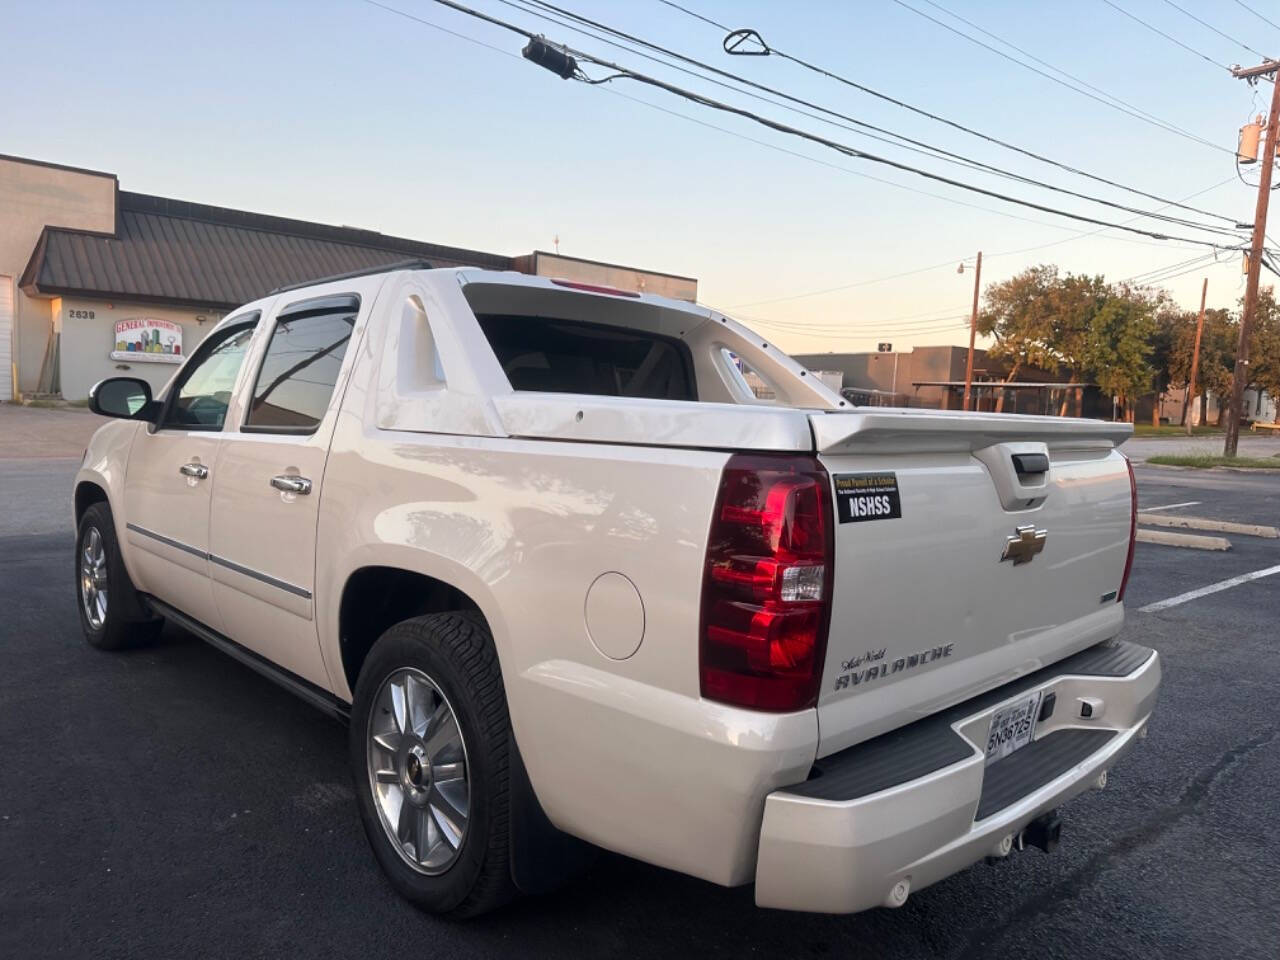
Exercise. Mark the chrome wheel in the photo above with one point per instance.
(93, 578)
(417, 761)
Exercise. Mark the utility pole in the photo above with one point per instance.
(1241, 378)
(1195, 359)
(973, 329)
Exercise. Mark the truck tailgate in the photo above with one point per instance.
(969, 550)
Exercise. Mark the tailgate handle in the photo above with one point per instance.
(1027, 464)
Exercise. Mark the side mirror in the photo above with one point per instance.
(126, 397)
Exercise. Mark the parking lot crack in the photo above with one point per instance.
(1190, 800)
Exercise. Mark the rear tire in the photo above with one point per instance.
(430, 747)
(111, 612)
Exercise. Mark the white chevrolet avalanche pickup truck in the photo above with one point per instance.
(575, 585)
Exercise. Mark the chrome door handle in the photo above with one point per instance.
(290, 483)
(196, 470)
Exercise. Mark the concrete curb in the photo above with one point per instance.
(1264, 471)
(1204, 523)
(1190, 540)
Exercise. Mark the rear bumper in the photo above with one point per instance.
(913, 806)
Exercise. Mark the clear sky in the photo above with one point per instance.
(341, 112)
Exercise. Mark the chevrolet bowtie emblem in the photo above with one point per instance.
(1025, 543)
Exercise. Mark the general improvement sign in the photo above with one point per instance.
(149, 340)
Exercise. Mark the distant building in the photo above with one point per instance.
(95, 280)
(934, 377)
(1258, 405)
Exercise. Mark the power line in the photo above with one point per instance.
(1076, 234)
(695, 15)
(696, 98)
(1094, 233)
(872, 331)
(818, 327)
(1150, 275)
(891, 326)
(845, 286)
(621, 72)
(744, 137)
(625, 73)
(904, 322)
(781, 149)
(892, 138)
(867, 176)
(1210, 26)
(774, 51)
(925, 318)
(1172, 39)
(1257, 14)
(1118, 104)
(1194, 268)
(947, 263)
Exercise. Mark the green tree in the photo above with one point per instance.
(1217, 355)
(1074, 303)
(1040, 319)
(1119, 344)
(1170, 322)
(1264, 349)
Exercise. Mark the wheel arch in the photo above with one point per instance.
(375, 597)
(87, 493)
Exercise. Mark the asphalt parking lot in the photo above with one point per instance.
(170, 803)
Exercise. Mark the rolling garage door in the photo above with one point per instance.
(6, 338)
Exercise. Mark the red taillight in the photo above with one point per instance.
(766, 589)
(1133, 530)
(594, 288)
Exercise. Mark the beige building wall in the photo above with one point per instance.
(32, 196)
(87, 340)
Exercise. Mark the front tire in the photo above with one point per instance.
(111, 614)
(430, 748)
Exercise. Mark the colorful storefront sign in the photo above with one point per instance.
(148, 340)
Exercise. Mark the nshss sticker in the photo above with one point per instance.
(867, 496)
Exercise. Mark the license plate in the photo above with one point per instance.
(1012, 727)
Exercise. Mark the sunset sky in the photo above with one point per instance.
(343, 112)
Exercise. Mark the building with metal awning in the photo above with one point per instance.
(95, 280)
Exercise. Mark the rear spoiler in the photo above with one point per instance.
(906, 431)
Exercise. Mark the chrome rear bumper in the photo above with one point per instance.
(853, 838)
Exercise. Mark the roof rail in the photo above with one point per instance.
(366, 272)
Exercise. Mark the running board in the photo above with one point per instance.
(319, 698)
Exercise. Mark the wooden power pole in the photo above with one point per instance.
(1241, 378)
(973, 330)
(1195, 359)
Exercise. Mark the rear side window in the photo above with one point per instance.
(301, 365)
(547, 355)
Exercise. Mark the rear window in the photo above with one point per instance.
(548, 355)
(298, 373)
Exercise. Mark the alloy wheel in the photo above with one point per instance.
(93, 579)
(417, 763)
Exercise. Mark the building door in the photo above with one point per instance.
(171, 476)
(6, 339)
(266, 495)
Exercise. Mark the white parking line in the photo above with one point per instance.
(1205, 591)
(1172, 506)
